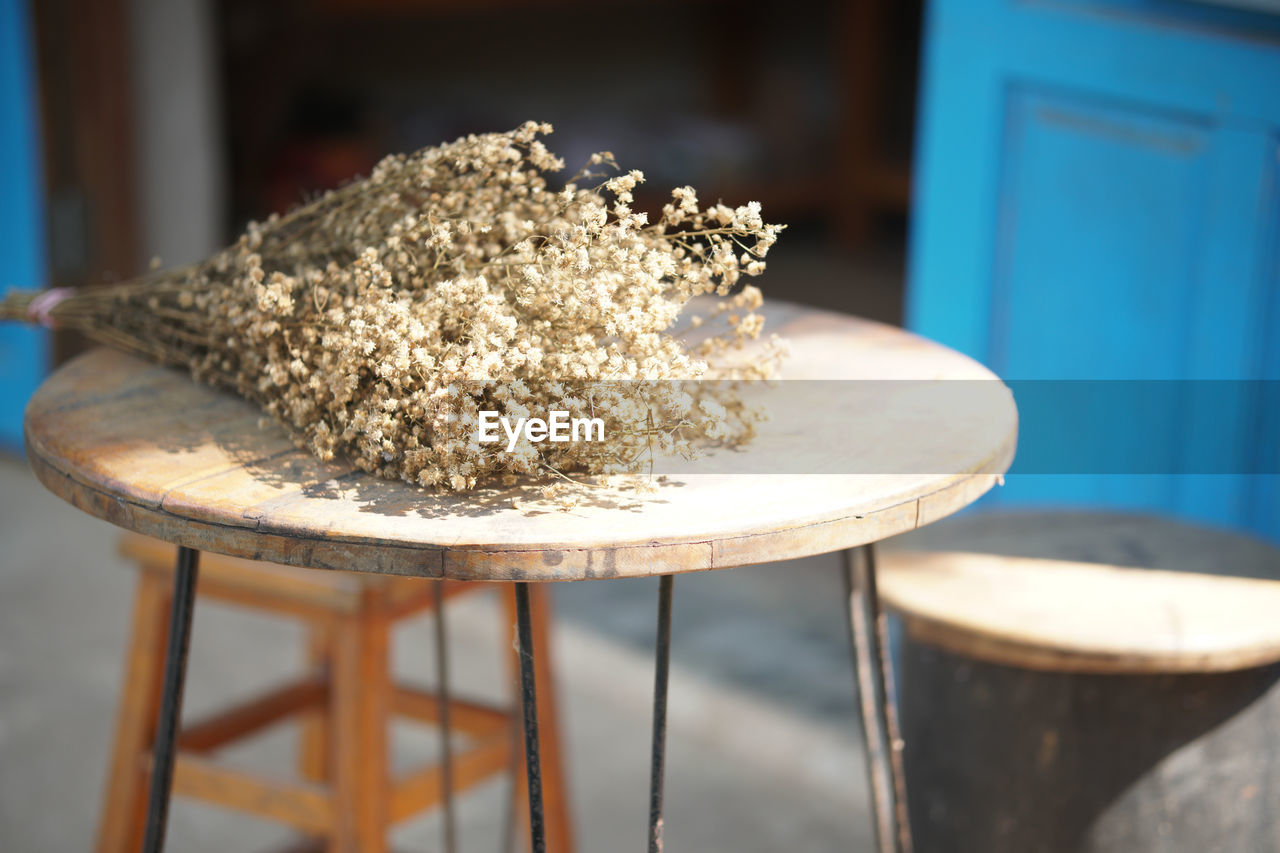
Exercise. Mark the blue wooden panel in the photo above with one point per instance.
(23, 351)
(1264, 505)
(1101, 295)
(1097, 199)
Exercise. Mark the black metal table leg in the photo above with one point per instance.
(175, 669)
(869, 638)
(661, 671)
(529, 704)
(446, 728)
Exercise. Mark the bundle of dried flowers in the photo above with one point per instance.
(376, 321)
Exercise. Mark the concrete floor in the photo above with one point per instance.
(763, 750)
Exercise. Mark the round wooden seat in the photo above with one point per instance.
(287, 588)
(1184, 599)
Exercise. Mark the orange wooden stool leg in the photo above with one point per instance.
(555, 799)
(124, 806)
(360, 698)
(314, 740)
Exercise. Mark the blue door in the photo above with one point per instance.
(1096, 199)
(23, 350)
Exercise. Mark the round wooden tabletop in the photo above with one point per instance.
(145, 448)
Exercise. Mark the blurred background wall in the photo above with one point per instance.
(1086, 188)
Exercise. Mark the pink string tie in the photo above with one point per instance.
(41, 308)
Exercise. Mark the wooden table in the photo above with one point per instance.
(147, 449)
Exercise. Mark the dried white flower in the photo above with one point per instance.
(377, 320)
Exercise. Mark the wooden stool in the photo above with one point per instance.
(1130, 703)
(346, 798)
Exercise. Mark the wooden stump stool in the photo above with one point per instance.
(1122, 697)
(345, 799)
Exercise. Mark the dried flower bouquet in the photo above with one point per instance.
(377, 321)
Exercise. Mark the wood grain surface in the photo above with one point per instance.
(144, 447)
(1045, 614)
